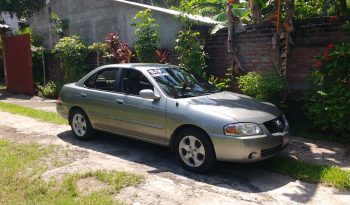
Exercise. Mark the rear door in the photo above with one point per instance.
(98, 98)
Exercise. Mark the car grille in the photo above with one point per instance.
(271, 151)
(276, 125)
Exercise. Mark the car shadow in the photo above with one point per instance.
(245, 177)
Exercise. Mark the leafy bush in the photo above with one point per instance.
(147, 36)
(58, 25)
(191, 51)
(222, 83)
(72, 53)
(329, 98)
(315, 8)
(265, 87)
(117, 50)
(50, 90)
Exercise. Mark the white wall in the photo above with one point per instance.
(93, 20)
(10, 20)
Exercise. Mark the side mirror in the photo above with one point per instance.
(149, 94)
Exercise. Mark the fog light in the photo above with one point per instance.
(253, 155)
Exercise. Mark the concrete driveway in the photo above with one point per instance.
(165, 181)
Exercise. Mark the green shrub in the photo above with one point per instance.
(264, 87)
(191, 51)
(50, 90)
(329, 97)
(222, 83)
(72, 53)
(147, 36)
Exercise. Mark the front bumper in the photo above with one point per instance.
(248, 149)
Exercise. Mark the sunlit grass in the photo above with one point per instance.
(20, 183)
(329, 175)
(30, 112)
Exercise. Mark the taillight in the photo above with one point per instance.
(59, 99)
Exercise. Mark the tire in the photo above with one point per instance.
(80, 125)
(194, 150)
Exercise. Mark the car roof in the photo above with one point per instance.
(139, 66)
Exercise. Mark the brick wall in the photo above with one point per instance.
(311, 37)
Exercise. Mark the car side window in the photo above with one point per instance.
(103, 80)
(134, 81)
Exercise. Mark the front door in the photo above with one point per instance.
(145, 118)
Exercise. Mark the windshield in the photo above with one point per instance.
(179, 83)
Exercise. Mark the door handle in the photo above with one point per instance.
(83, 95)
(119, 101)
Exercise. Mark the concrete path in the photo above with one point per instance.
(165, 182)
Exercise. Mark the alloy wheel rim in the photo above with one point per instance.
(192, 151)
(79, 125)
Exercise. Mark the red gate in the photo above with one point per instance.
(18, 64)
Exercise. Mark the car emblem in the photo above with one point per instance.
(279, 124)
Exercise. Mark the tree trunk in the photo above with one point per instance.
(342, 7)
(232, 20)
(256, 11)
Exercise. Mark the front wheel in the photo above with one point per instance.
(81, 125)
(194, 151)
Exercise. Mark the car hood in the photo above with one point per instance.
(240, 107)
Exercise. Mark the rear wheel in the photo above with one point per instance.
(81, 125)
(194, 150)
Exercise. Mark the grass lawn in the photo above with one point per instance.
(308, 172)
(29, 112)
(22, 164)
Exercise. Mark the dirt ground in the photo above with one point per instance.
(165, 182)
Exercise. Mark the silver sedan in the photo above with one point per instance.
(171, 106)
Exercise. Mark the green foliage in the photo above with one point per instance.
(202, 7)
(98, 47)
(59, 25)
(329, 98)
(264, 87)
(147, 36)
(222, 83)
(50, 90)
(72, 53)
(315, 8)
(191, 51)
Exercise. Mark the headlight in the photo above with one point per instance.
(243, 129)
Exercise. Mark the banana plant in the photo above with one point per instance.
(239, 10)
